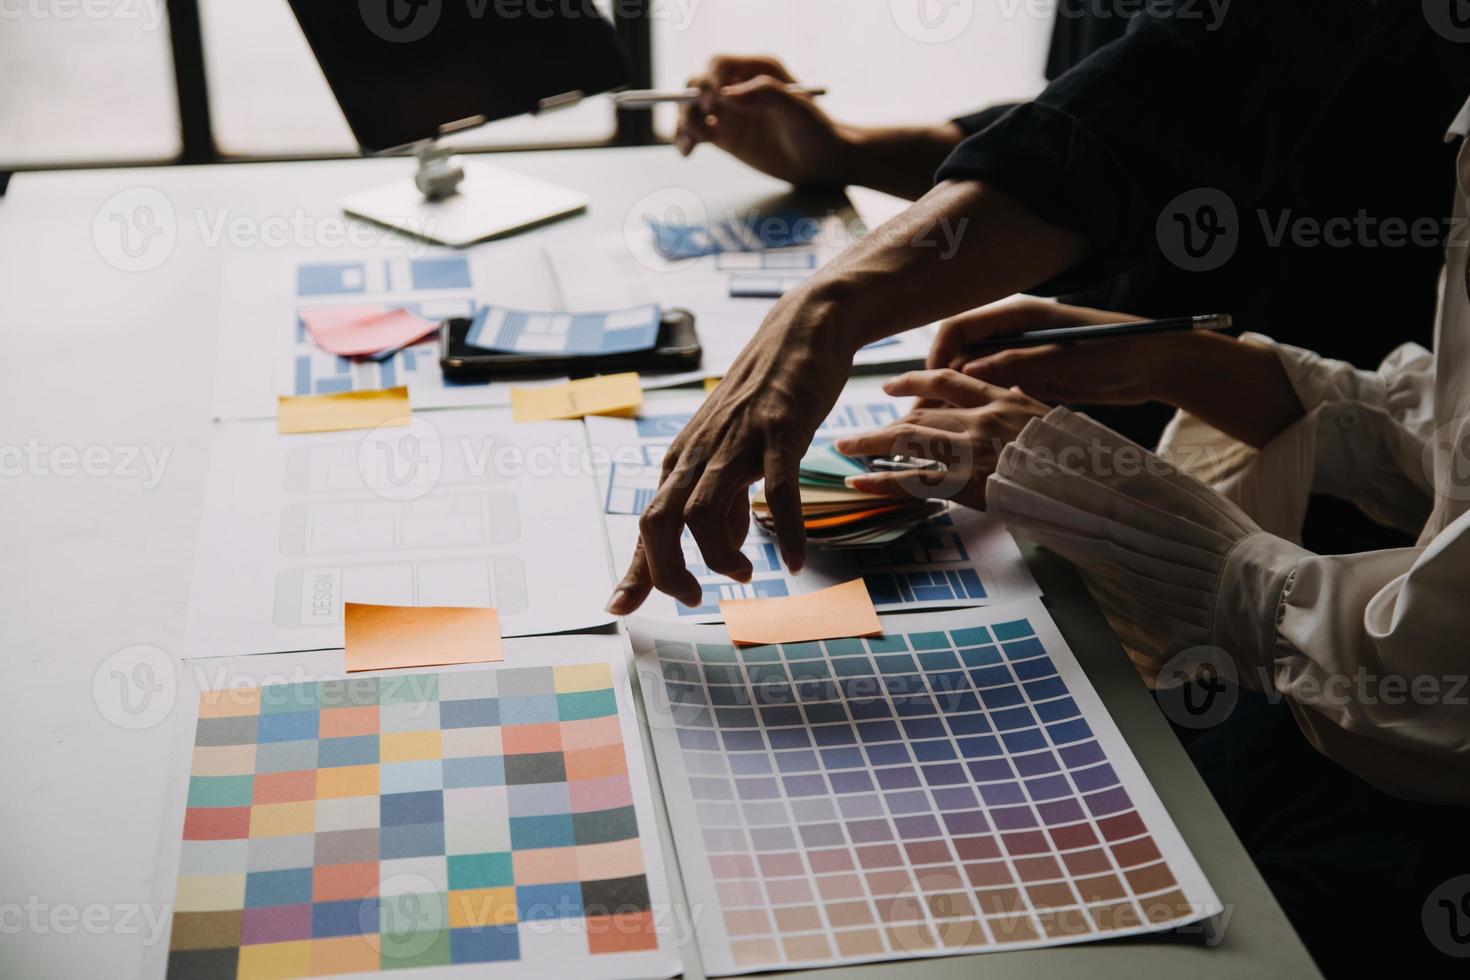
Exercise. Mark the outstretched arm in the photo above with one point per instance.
(962, 245)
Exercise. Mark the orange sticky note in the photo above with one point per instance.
(842, 610)
(710, 384)
(342, 411)
(381, 637)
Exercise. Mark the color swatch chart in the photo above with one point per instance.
(461, 816)
(952, 786)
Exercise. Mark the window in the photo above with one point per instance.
(884, 61)
(86, 82)
(268, 97)
(92, 81)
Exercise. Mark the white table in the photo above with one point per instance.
(92, 564)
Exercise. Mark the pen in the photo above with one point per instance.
(643, 98)
(1098, 331)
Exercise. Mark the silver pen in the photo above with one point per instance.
(644, 98)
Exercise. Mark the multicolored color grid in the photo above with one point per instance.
(415, 820)
(915, 794)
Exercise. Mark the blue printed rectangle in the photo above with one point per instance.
(533, 332)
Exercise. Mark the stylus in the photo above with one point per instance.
(1102, 331)
(643, 98)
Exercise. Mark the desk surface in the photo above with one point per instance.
(100, 357)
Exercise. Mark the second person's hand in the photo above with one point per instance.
(1006, 320)
(746, 109)
(961, 422)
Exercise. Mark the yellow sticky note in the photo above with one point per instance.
(607, 394)
(345, 410)
(842, 610)
(710, 384)
(382, 637)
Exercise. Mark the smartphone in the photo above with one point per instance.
(676, 349)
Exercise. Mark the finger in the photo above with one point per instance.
(783, 497)
(1007, 319)
(707, 515)
(634, 586)
(997, 320)
(900, 484)
(1031, 368)
(946, 417)
(661, 533)
(943, 385)
(762, 91)
(903, 438)
(691, 130)
(738, 520)
(729, 69)
(876, 442)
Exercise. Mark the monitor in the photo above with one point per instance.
(405, 71)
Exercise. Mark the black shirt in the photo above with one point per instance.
(1319, 123)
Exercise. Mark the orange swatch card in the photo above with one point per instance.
(383, 637)
(827, 614)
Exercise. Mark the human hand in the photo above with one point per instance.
(1119, 371)
(746, 110)
(1006, 320)
(757, 423)
(961, 422)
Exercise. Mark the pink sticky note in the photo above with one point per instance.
(351, 331)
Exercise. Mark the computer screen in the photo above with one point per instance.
(402, 69)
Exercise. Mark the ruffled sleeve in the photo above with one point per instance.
(1369, 649)
(1363, 439)
(1151, 542)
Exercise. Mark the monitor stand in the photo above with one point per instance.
(456, 203)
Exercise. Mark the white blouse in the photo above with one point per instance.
(1196, 547)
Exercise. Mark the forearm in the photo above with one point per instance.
(1238, 387)
(897, 160)
(961, 246)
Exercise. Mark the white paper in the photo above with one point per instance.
(265, 351)
(555, 945)
(601, 272)
(811, 839)
(459, 508)
(962, 558)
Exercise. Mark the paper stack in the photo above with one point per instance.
(837, 517)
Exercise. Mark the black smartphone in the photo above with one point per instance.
(676, 349)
